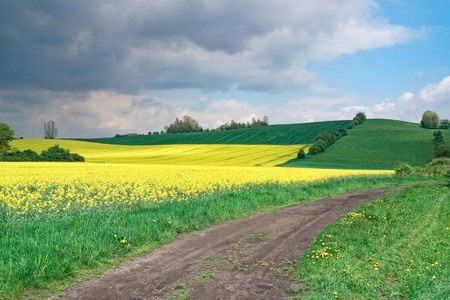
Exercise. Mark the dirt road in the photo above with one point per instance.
(244, 259)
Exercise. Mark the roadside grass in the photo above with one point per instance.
(396, 247)
(42, 255)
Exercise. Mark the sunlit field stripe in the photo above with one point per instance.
(222, 155)
(37, 188)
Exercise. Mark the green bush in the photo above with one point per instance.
(54, 153)
(403, 169)
(442, 150)
(301, 153)
(314, 149)
(438, 166)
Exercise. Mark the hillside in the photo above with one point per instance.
(378, 143)
(291, 134)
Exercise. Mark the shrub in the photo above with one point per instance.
(438, 166)
(403, 169)
(438, 137)
(57, 153)
(314, 149)
(442, 150)
(350, 125)
(301, 153)
(443, 126)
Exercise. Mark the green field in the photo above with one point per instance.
(291, 134)
(377, 144)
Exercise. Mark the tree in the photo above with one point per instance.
(6, 136)
(188, 124)
(361, 116)
(430, 119)
(50, 130)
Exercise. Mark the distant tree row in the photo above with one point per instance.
(188, 124)
(324, 140)
(430, 119)
(54, 153)
(254, 123)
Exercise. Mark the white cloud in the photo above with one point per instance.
(437, 92)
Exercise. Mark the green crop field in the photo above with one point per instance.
(378, 143)
(291, 134)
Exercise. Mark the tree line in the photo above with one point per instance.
(188, 124)
(54, 153)
(324, 140)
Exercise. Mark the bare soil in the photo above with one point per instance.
(251, 258)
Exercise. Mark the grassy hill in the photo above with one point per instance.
(291, 134)
(378, 143)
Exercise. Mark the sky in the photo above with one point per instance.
(98, 68)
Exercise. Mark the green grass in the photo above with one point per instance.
(393, 248)
(49, 253)
(291, 134)
(376, 144)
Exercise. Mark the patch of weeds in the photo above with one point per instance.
(240, 268)
(254, 235)
(180, 294)
(214, 262)
(239, 253)
(284, 271)
(206, 276)
(295, 289)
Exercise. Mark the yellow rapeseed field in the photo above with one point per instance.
(222, 155)
(35, 188)
(124, 176)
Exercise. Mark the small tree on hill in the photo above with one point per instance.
(50, 130)
(430, 119)
(6, 136)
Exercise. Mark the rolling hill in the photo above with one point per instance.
(378, 143)
(290, 134)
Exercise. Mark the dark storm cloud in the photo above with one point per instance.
(135, 45)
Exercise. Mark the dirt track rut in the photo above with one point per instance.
(243, 259)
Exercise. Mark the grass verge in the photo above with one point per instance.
(392, 248)
(44, 255)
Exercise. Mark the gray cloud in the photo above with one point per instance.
(211, 45)
(86, 64)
